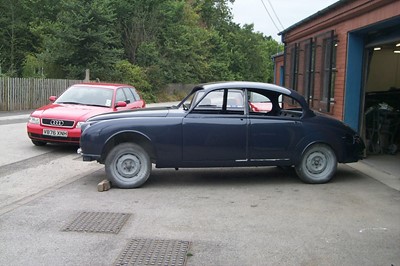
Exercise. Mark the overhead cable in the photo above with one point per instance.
(273, 10)
(273, 21)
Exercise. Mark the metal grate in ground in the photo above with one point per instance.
(97, 222)
(154, 252)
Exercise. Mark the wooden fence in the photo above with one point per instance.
(29, 93)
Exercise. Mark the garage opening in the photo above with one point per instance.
(382, 98)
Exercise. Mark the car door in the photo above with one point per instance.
(133, 99)
(122, 96)
(215, 130)
(273, 137)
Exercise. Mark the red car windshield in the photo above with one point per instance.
(94, 96)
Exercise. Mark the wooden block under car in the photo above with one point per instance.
(104, 185)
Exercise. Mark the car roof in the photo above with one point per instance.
(102, 85)
(253, 85)
(244, 84)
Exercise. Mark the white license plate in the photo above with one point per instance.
(55, 133)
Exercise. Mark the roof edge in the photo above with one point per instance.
(315, 15)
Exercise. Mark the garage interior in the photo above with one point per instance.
(382, 102)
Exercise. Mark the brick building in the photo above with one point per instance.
(345, 60)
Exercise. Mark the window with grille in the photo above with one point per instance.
(310, 69)
(325, 71)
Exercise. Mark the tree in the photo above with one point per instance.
(134, 75)
(83, 37)
(139, 21)
(250, 53)
(188, 46)
(32, 67)
(215, 14)
(161, 41)
(15, 40)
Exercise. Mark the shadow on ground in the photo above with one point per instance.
(231, 177)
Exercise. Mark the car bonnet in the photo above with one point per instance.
(147, 112)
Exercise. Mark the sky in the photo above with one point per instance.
(288, 12)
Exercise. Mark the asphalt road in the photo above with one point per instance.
(258, 216)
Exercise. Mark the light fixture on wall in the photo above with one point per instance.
(377, 48)
(396, 51)
(398, 45)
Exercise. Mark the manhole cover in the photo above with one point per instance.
(98, 222)
(154, 252)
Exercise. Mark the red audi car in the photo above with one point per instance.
(60, 121)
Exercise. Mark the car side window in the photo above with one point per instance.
(129, 95)
(235, 101)
(291, 108)
(259, 103)
(272, 103)
(213, 102)
(120, 96)
(135, 94)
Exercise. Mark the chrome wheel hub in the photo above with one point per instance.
(316, 163)
(128, 165)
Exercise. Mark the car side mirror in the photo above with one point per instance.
(52, 98)
(120, 104)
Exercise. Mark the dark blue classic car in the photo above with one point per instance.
(225, 124)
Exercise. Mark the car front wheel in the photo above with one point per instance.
(128, 166)
(317, 165)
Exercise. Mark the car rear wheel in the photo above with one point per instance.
(38, 143)
(128, 166)
(317, 165)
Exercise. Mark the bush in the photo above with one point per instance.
(136, 76)
(32, 67)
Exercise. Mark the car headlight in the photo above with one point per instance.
(79, 124)
(85, 125)
(34, 120)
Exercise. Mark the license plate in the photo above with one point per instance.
(55, 133)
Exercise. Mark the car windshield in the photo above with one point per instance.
(190, 99)
(94, 96)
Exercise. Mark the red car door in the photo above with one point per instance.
(126, 95)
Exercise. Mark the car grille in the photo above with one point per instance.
(58, 123)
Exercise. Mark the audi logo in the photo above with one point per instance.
(57, 123)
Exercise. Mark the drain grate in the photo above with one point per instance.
(98, 222)
(154, 252)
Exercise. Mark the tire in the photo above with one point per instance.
(317, 165)
(128, 166)
(38, 143)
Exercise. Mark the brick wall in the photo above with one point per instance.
(342, 17)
